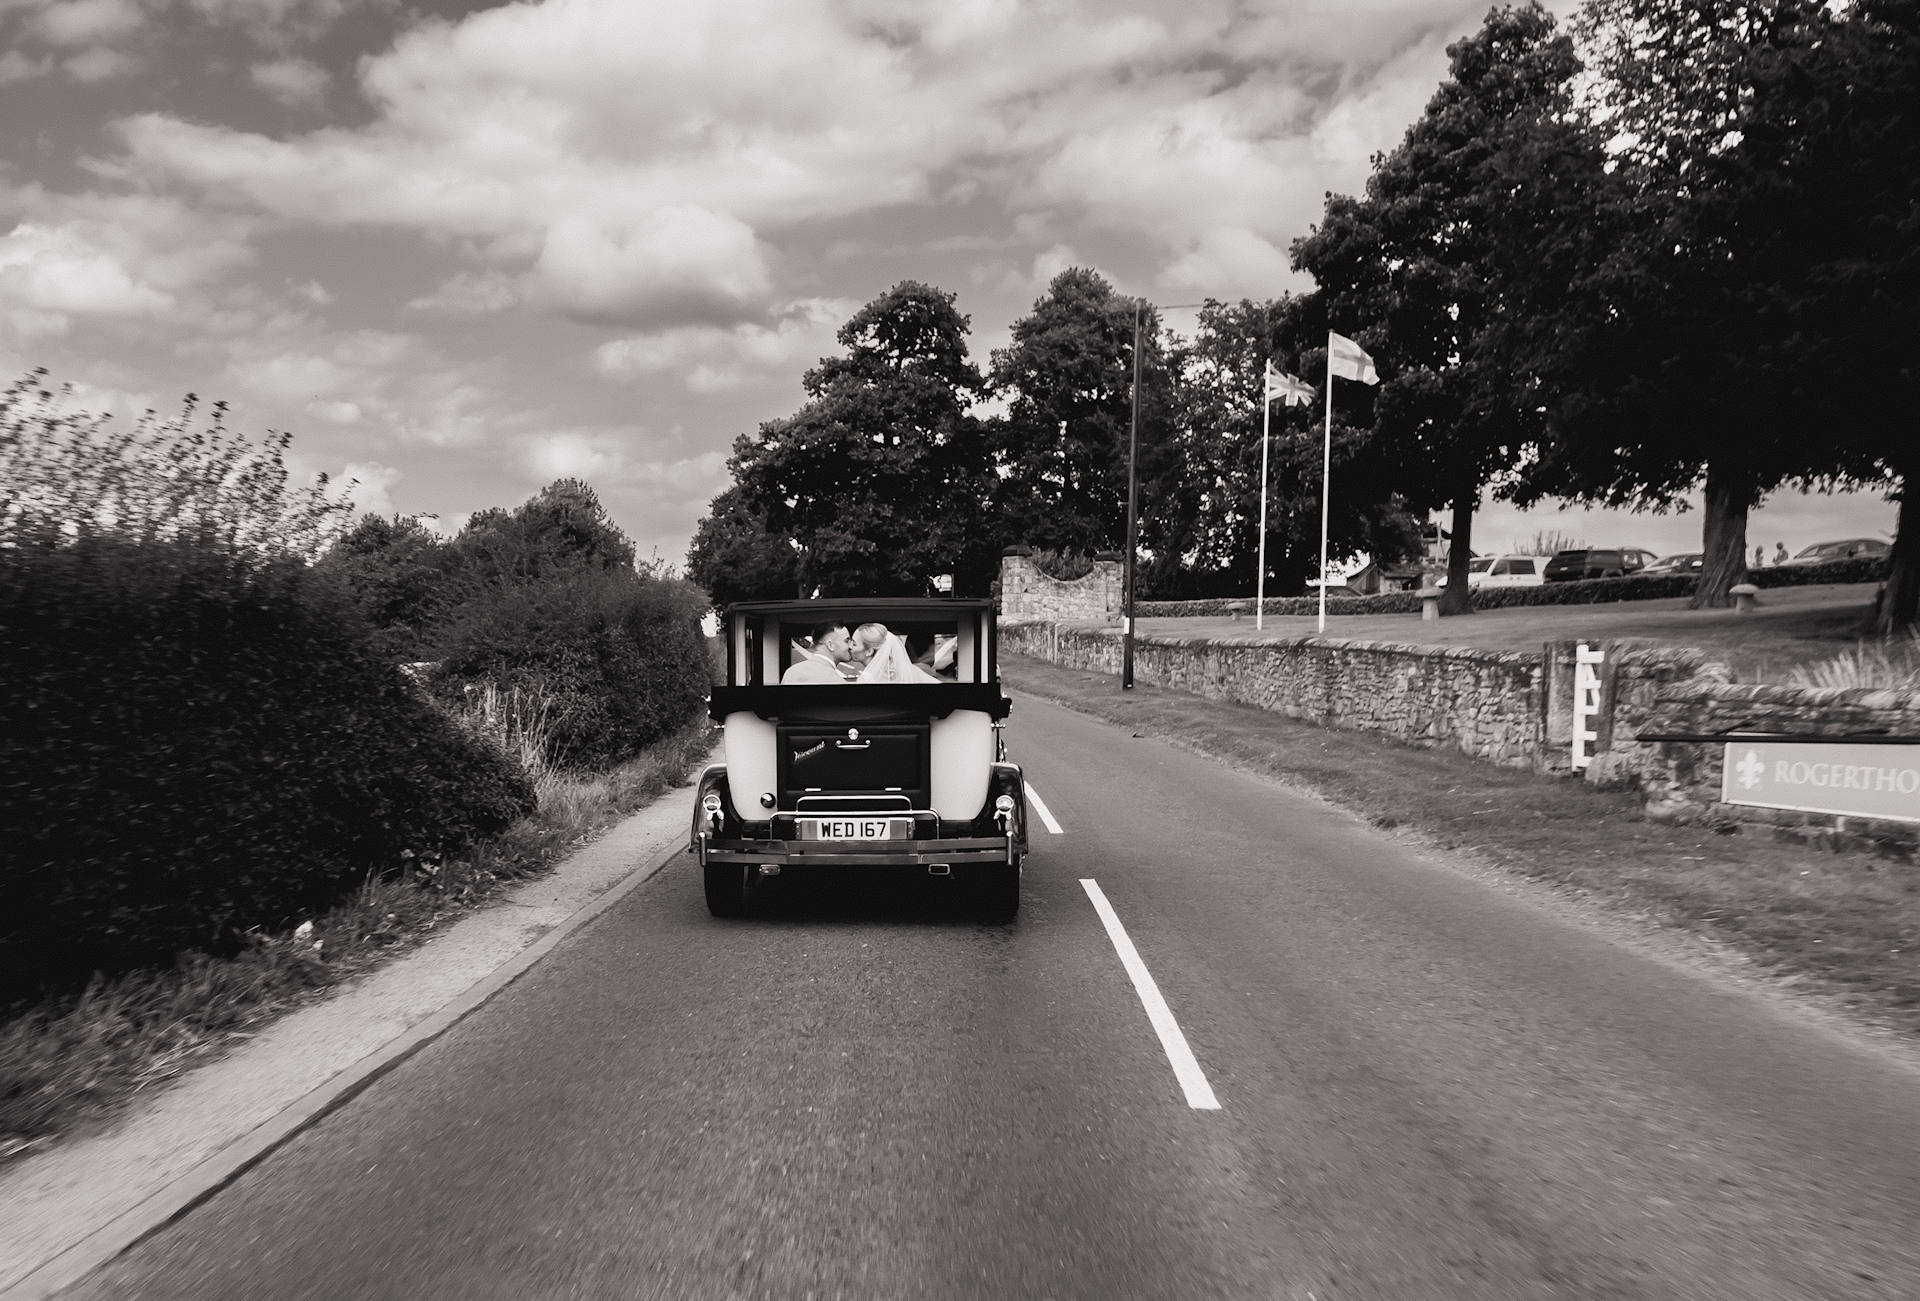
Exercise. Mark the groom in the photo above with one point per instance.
(830, 645)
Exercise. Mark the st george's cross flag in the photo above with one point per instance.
(1282, 385)
(1349, 360)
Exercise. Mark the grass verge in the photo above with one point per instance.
(71, 1063)
(1844, 924)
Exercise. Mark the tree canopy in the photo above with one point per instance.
(882, 477)
(1420, 271)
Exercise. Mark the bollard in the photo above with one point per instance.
(1743, 597)
(1430, 602)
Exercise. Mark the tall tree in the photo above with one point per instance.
(1827, 172)
(396, 571)
(1061, 448)
(1420, 269)
(882, 476)
(735, 556)
(1205, 526)
(562, 527)
(1670, 382)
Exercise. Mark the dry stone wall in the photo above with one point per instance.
(1486, 704)
(1515, 708)
(1667, 693)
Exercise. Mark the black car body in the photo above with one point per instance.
(832, 775)
(1596, 562)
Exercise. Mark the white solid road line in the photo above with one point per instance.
(1192, 1080)
(1040, 807)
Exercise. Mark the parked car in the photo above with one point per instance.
(1845, 549)
(1597, 562)
(1508, 570)
(1685, 562)
(829, 775)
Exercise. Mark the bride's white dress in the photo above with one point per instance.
(891, 663)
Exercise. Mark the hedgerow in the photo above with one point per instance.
(618, 655)
(1586, 591)
(196, 741)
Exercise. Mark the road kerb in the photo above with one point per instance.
(76, 1260)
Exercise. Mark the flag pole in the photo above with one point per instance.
(1260, 582)
(1133, 517)
(1326, 477)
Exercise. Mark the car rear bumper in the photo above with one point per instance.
(858, 853)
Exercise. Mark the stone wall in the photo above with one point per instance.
(1666, 692)
(1483, 703)
(1515, 708)
(1026, 593)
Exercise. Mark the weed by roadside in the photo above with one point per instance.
(73, 1062)
(1890, 663)
(1845, 924)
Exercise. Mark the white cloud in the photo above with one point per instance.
(712, 359)
(372, 491)
(396, 386)
(51, 273)
(112, 257)
(296, 82)
(281, 23)
(84, 22)
(470, 293)
(574, 454)
(100, 64)
(334, 412)
(675, 263)
(1230, 261)
(15, 66)
(640, 166)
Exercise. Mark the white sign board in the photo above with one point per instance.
(1861, 779)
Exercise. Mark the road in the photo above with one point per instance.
(1426, 1087)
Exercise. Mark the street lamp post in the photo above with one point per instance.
(1133, 517)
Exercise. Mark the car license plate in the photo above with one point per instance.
(856, 828)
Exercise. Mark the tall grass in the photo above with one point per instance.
(519, 722)
(1891, 663)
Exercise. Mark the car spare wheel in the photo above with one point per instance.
(727, 888)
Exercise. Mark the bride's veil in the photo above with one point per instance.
(891, 663)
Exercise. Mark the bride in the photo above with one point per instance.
(886, 657)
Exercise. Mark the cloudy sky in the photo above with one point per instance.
(461, 250)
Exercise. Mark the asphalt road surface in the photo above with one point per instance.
(1425, 1087)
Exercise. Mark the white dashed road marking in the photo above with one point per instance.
(1040, 807)
(1192, 1080)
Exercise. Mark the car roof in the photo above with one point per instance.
(840, 607)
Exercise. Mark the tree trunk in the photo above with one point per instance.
(1723, 538)
(1898, 608)
(1459, 597)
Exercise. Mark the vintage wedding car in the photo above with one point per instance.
(834, 775)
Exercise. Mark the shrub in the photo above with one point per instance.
(1858, 569)
(195, 742)
(1585, 591)
(1063, 566)
(619, 655)
(1892, 663)
(67, 474)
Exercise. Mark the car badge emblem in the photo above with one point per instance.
(853, 734)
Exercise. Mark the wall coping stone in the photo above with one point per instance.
(1762, 693)
(1239, 640)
